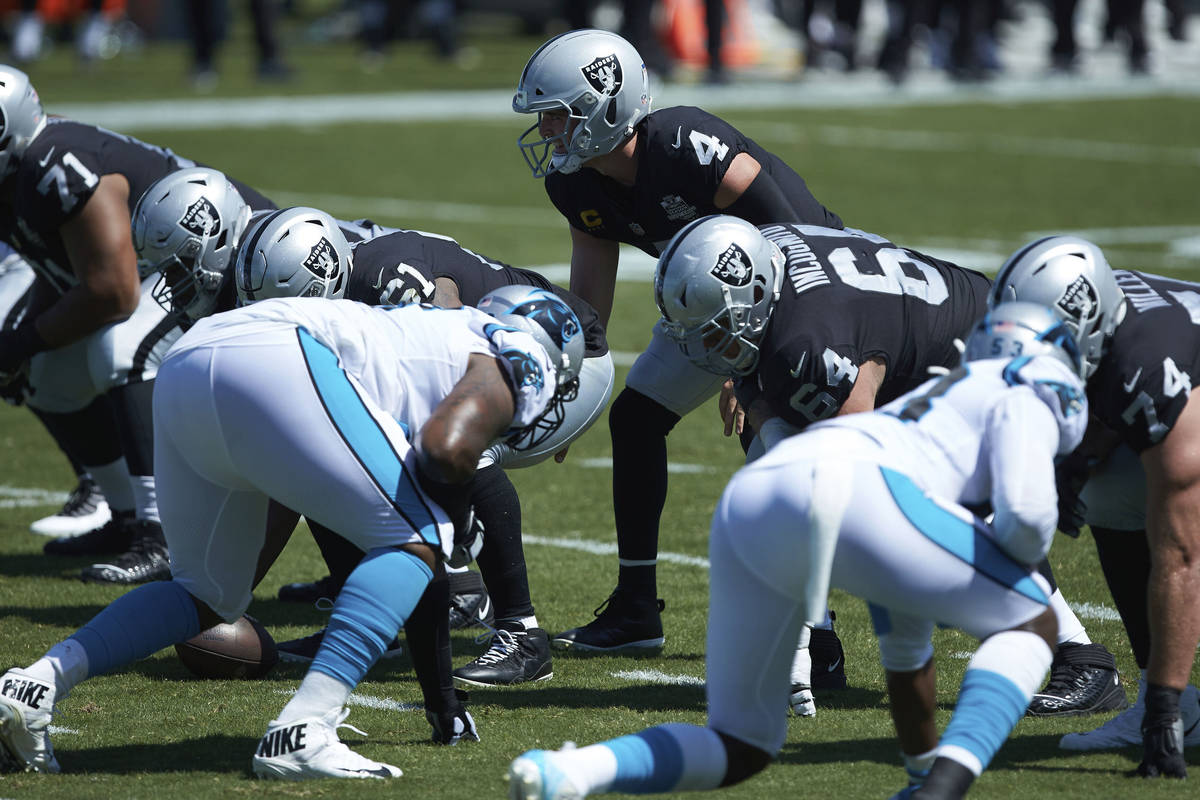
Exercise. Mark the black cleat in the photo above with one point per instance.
(828, 659)
(304, 649)
(146, 559)
(470, 605)
(1083, 680)
(326, 587)
(516, 656)
(623, 622)
(114, 536)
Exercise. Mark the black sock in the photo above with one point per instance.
(502, 559)
(1125, 561)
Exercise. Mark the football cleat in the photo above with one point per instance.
(146, 559)
(1083, 680)
(85, 510)
(470, 605)
(623, 622)
(828, 658)
(1125, 729)
(26, 705)
(304, 649)
(326, 588)
(302, 749)
(535, 775)
(515, 656)
(802, 702)
(112, 537)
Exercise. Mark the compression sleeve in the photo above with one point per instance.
(763, 202)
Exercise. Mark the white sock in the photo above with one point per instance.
(318, 695)
(825, 624)
(113, 479)
(802, 659)
(65, 665)
(1070, 629)
(145, 498)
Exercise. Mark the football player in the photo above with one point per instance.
(91, 347)
(371, 420)
(277, 260)
(877, 505)
(1140, 337)
(620, 174)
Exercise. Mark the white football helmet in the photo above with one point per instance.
(1016, 328)
(716, 284)
(1072, 277)
(21, 117)
(295, 252)
(187, 227)
(599, 79)
(553, 325)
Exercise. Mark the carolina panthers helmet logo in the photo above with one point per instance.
(1079, 300)
(321, 260)
(604, 74)
(201, 218)
(551, 314)
(525, 369)
(733, 267)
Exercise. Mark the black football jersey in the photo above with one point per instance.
(400, 267)
(1144, 379)
(683, 153)
(848, 296)
(58, 174)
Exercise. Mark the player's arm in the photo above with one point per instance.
(749, 192)
(445, 293)
(866, 387)
(100, 247)
(1023, 437)
(594, 271)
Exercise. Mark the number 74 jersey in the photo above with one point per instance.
(850, 296)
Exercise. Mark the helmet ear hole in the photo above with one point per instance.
(610, 113)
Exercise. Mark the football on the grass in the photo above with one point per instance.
(241, 649)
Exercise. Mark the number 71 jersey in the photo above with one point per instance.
(849, 296)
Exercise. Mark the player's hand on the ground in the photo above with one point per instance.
(732, 413)
(451, 727)
(1162, 748)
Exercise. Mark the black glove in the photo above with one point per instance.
(14, 386)
(451, 727)
(1070, 475)
(455, 500)
(18, 345)
(1162, 735)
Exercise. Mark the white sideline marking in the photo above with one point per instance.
(369, 701)
(60, 731)
(610, 549)
(656, 676)
(1096, 611)
(962, 655)
(679, 469)
(357, 206)
(12, 497)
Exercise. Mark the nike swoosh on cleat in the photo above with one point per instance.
(833, 666)
(379, 773)
(484, 607)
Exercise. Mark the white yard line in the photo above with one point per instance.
(11, 497)
(369, 701)
(657, 676)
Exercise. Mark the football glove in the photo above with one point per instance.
(451, 727)
(1162, 734)
(1070, 475)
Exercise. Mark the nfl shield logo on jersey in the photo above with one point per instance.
(321, 260)
(201, 218)
(1080, 300)
(604, 74)
(733, 267)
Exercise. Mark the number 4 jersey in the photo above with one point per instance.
(849, 296)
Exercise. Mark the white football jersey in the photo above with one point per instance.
(986, 432)
(407, 358)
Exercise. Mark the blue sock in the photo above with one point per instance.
(378, 597)
(138, 624)
(649, 762)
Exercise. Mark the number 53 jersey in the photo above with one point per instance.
(849, 296)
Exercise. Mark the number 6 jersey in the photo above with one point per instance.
(849, 296)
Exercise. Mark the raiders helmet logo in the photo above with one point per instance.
(321, 260)
(604, 74)
(1079, 300)
(201, 218)
(733, 267)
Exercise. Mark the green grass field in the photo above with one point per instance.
(973, 181)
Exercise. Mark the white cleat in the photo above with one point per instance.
(26, 704)
(85, 510)
(802, 702)
(307, 748)
(1125, 729)
(535, 775)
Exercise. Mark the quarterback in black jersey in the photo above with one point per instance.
(91, 344)
(621, 174)
(1141, 336)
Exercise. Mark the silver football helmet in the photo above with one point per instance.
(1072, 277)
(551, 322)
(187, 227)
(716, 284)
(21, 117)
(1016, 328)
(294, 252)
(599, 79)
